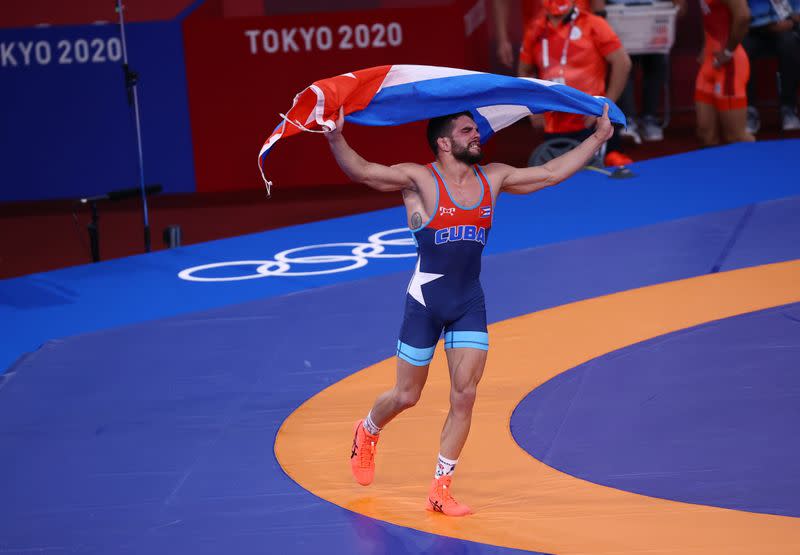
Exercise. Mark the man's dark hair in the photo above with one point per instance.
(442, 127)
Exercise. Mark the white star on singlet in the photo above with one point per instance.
(418, 280)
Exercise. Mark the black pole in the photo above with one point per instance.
(94, 233)
(131, 78)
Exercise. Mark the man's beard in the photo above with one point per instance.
(467, 156)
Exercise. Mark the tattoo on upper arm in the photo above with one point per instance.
(416, 220)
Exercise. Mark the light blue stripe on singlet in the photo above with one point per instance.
(488, 183)
(413, 355)
(449, 194)
(466, 339)
(433, 214)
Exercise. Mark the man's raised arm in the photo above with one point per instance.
(529, 180)
(377, 176)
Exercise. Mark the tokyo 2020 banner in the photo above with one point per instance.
(244, 72)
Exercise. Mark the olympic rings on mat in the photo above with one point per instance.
(282, 262)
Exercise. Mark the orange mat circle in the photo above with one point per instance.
(520, 502)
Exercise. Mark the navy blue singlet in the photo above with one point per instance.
(445, 292)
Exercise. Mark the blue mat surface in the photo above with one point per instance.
(146, 421)
(40, 307)
(707, 415)
(157, 437)
(768, 231)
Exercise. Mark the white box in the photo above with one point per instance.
(644, 28)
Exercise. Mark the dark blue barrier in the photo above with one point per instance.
(67, 129)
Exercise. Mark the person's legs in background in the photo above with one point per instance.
(627, 103)
(757, 44)
(788, 49)
(733, 126)
(731, 103)
(721, 101)
(654, 78)
(785, 45)
(707, 124)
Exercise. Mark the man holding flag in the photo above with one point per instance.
(450, 206)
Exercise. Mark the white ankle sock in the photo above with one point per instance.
(370, 426)
(445, 467)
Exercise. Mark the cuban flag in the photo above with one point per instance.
(486, 211)
(397, 94)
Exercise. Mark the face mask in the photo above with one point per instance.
(557, 8)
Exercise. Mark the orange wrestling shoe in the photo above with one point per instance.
(362, 456)
(440, 500)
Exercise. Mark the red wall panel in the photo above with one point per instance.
(27, 13)
(243, 72)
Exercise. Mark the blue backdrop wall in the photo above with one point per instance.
(67, 128)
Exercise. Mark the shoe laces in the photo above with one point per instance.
(366, 452)
(444, 494)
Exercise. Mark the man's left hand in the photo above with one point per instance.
(603, 130)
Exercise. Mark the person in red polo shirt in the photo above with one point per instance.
(579, 49)
(502, 11)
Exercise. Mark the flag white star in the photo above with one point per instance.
(418, 280)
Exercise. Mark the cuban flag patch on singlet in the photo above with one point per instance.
(486, 211)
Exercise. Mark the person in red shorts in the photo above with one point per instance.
(579, 49)
(720, 90)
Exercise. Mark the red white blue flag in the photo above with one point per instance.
(397, 94)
